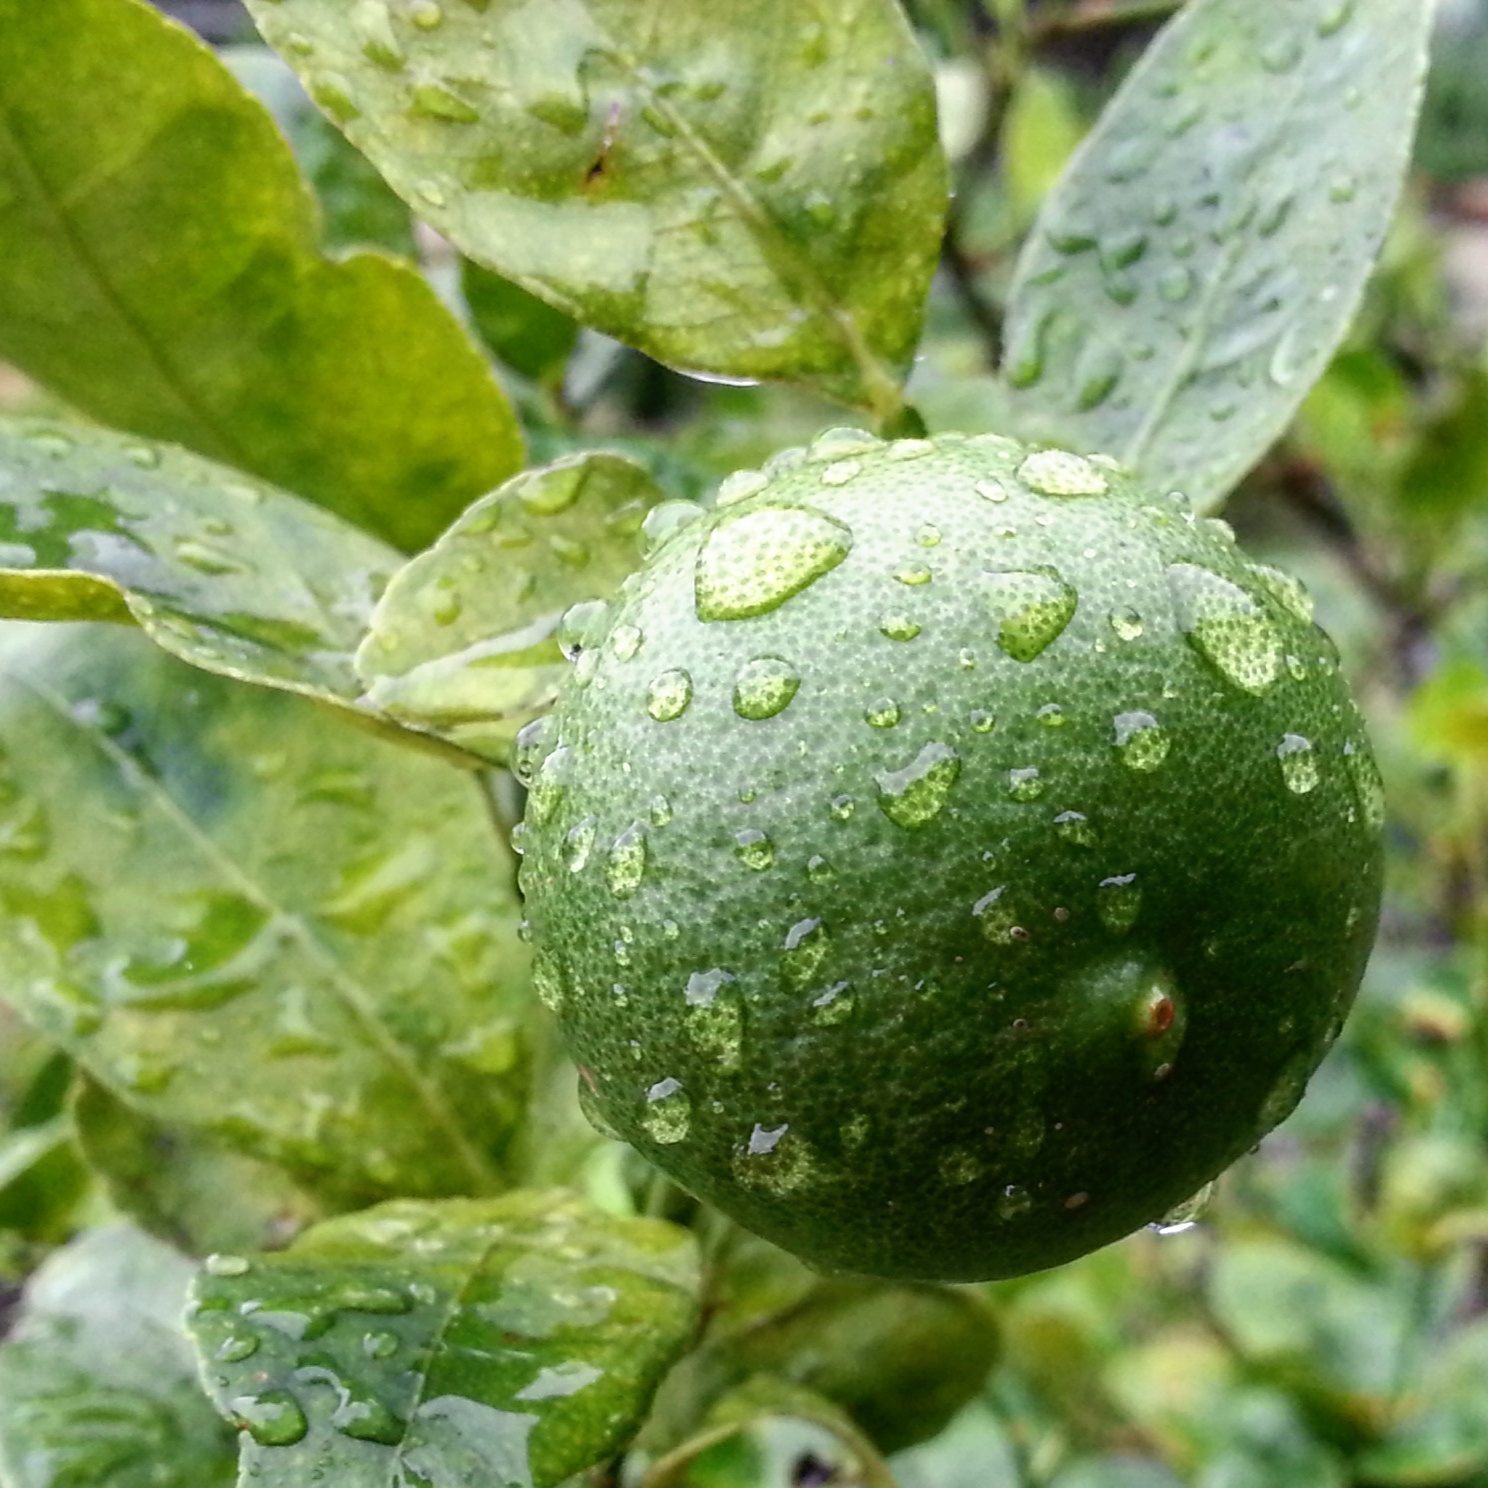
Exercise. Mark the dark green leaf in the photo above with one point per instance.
(98, 1387)
(198, 1195)
(162, 271)
(228, 574)
(255, 925)
(464, 640)
(507, 1341)
(734, 188)
(1202, 257)
(526, 333)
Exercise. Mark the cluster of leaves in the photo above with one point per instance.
(342, 372)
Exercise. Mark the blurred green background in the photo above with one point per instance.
(1326, 1321)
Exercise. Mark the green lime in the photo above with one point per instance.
(947, 856)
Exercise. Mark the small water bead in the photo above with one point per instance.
(665, 519)
(803, 951)
(1118, 902)
(842, 807)
(1226, 627)
(754, 849)
(1186, 1215)
(884, 713)
(753, 561)
(910, 449)
(237, 1347)
(1051, 715)
(660, 811)
(1013, 1202)
(1032, 608)
(740, 486)
(703, 986)
(818, 870)
(1369, 788)
(899, 627)
(914, 574)
(1142, 740)
(1024, 784)
(915, 795)
(837, 444)
(273, 1418)
(997, 919)
(1127, 624)
(578, 844)
(227, 1265)
(981, 721)
(1296, 668)
(1060, 473)
(966, 659)
(992, 490)
(626, 865)
(1299, 766)
(764, 687)
(625, 641)
(533, 742)
(668, 1113)
(669, 694)
(580, 626)
(928, 536)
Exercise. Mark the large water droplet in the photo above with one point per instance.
(804, 950)
(754, 849)
(753, 562)
(915, 795)
(740, 486)
(839, 443)
(1226, 627)
(1031, 608)
(668, 695)
(533, 742)
(1186, 1215)
(1024, 784)
(1142, 740)
(668, 1112)
(626, 865)
(765, 687)
(273, 1418)
(578, 844)
(883, 713)
(1118, 902)
(1299, 766)
(1060, 473)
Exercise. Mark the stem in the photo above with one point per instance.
(1093, 15)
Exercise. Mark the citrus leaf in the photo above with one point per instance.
(254, 925)
(163, 272)
(1203, 255)
(194, 1194)
(512, 1341)
(463, 643)
(222, 571)
(97, 1382)
(729, 188)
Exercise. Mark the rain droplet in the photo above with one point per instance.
(227, 1265)
(236, 1347)
(842, 807)
(668, 695)
(804, 950)
(740, 486)
(1175, 284)
(626, 865)
(625, 641)
(1369, 788)
(668, 1112)
(840, 472)
(1118, 902)
(818, 870)
(765, 687)
(837, 444)
(884, 713)
(664, 519)
(928, 536)
(1013, 1202)
(981, 721)
(914, 574)
(660, 811)
(992, 490)
(754, 849)
(1074, 826)
(997, 919)
(580, 625)
(1051, 715)
(752, 562)
(1032, 609)
(578, 844)
(899, 627)
(1024, 784)
(1299, 767)
(273, 1418)
(1142, 740)
(915, 795)
(1226, 627)
(1287, 591)
(1127, 624)
(1060, 473)
(833, 1006)
(1336, 17)
(1186, 1215)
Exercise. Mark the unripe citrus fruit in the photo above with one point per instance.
(948, 856)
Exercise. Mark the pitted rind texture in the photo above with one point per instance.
(974, 992)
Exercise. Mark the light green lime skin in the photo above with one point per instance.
(929, 1083)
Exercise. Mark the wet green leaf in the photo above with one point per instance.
(163, 272)
(506, 1341)
(98, 1387)
(197, 1195)
(464, 640)
(1202, 257)
(224, 572)
(255, 925)
(42, 1180)
(732, 188)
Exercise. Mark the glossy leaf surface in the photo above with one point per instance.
(464, 641)
(254, 924)
(164, 274)
(97, 1381)
(1203, 256)
(226, 573)
(509, 1341)
(735, 188)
